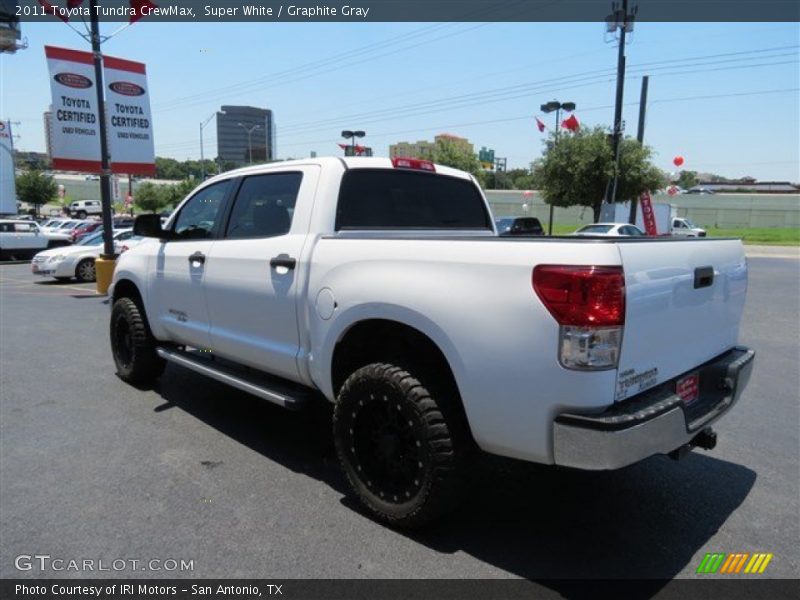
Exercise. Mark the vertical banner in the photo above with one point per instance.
(130, 125)
(8, 190)
(647, 214)
(76, 128)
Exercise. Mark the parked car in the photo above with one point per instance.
(84, 208)
(20, 239)
(78, 260)
(610, 229)
(381, 285)
(84, 229)
(61, 234)
(685, 227)
(700, 190)
(519, 226)
(123, 222)
(51, 224)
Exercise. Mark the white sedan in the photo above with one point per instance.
(77, 261)
(610, 229)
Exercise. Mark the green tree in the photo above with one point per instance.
(451, 154)
(577, 169)
(150, 197)
(174, 194)
(36, 188)
(688, 179)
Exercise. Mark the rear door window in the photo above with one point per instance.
(399, 199)
(264, 206)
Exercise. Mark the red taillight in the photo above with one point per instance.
(582, 296)
(401, 162)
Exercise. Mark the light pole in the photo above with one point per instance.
(202, 158)
(555, 105)
(623, 20)
(352, 135)
(249, 131)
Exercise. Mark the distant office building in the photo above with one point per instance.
(245, 134)
(424, 149)
(48, 131)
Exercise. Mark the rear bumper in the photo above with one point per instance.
(654, 422)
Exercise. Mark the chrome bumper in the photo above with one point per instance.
(654, 422)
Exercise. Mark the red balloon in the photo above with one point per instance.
(677, 161)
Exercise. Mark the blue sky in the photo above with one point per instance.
(484, 81)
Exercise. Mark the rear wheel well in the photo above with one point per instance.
(385, 341)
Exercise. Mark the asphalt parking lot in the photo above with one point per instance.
(93, 468)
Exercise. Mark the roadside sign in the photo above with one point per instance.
(130, 124)
(647, 214)
(76, 128)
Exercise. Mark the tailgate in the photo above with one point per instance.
(684, 300)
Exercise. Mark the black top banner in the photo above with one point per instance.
(364, 11)
(397, 589)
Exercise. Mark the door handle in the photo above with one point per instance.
(197, 257)
(282, 260)
(703, 277)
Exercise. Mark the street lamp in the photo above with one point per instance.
(202, 159)
(249, 131)
(555, 105)
(352, 135)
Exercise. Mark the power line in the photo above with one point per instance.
(468, 100)
(528, 116)
(291, 74)
(506, 91)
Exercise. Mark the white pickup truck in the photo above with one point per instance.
(382, 286)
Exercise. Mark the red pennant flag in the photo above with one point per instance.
(571, 123)
(50, 9)
(138, 7)
(343, 146)
(539, 124)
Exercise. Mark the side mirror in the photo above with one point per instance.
(150, 226)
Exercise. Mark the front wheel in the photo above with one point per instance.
(403, 457)
(132, 344)
(84, 270)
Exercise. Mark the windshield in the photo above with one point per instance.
(69, 225)
(92, 240)
(595, 229)
(689, 223)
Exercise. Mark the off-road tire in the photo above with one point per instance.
(424, 474)
(132, 345)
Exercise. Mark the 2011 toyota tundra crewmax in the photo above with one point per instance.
(382, 286)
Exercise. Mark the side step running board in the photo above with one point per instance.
(268, 388)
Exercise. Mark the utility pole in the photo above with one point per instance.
(639, 138)
(105, 175)
(620, 19)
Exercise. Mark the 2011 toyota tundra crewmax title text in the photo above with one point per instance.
(382, 286)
